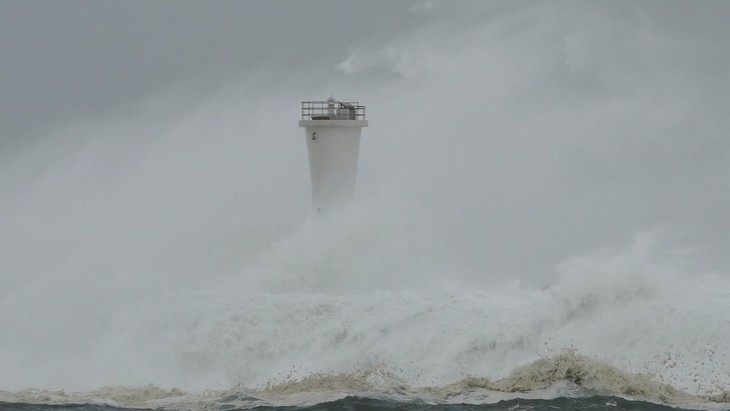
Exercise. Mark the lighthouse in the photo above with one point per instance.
(332, 131)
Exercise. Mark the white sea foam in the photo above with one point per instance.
(641, 329)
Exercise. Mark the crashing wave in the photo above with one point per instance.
(568, 374)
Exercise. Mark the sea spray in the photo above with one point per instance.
(568, 374)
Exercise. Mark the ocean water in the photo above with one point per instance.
(364, 403)
(327, 315)
(615, 331)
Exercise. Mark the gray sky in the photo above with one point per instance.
(518, 133)
(79, 59)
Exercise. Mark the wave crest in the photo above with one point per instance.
(568, 374)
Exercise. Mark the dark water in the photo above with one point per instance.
(592, 403)
(364, 404)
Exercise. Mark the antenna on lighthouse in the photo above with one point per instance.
(332, 130)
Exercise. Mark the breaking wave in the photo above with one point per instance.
(613, 324)
(567, 375)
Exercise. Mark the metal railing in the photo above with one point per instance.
(332, 110)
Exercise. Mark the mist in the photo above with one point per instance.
(508, 144)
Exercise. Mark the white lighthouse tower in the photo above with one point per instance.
(333, 142)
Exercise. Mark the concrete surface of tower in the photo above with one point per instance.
(332, 130)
